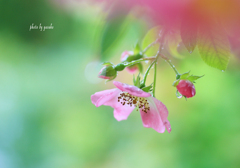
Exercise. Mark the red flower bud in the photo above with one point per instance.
(186, 88)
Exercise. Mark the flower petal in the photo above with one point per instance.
(99, 98)
(110, 98)
(121, 112)
(156, 117)
(133, 90)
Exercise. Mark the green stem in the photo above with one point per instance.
(155, 60)
(155, 77)
(150, 45)
(137, 61)
(170, 63)
(146, 73)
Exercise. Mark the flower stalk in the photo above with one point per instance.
(146, 73)
(170, 63)
(138, 61)
(150, 45)
(155, 77)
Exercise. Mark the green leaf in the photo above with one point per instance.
(192, 78)
(189, 34)
(137, 49)
(213, 46)
(112, 34)
(149, 38)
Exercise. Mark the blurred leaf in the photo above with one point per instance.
(173, 41)
(112, 34)
(189, 34)
(234, 44)
(149, 38)
(214, 47)
(137, 49)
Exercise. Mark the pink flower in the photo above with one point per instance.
(132, 69)
(125, 98)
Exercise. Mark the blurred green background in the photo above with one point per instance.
(47, 119)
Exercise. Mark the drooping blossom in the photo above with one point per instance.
(189, 14)
(125, 98)
(186, 88)
(131, 69)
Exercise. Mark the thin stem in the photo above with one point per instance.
(137, 61)
(150, 45)
(160, 40)
(146, 73)
(155, 77)
(170, 63)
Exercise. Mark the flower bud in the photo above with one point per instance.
(107, 72)
(186, 88)
(119, 67)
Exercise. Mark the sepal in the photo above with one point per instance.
(147, 88)
(185, 76)
(136, 82)
(192, 78)
(106, 63)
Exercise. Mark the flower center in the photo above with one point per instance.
(140, 102)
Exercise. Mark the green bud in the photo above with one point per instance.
(107, 72)
(119, 67)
